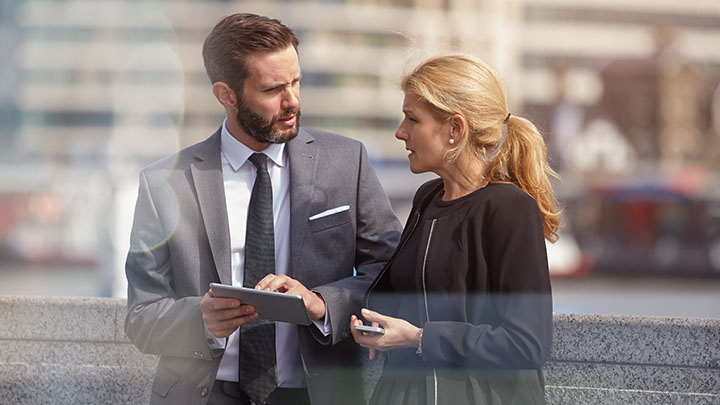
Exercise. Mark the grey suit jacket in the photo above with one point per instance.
(180, 243)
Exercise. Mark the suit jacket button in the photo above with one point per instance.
(204, 392)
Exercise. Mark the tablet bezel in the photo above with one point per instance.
(271, 306)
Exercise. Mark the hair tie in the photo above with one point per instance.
(507, 118)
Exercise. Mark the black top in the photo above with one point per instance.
(473, 274)
(403, 270)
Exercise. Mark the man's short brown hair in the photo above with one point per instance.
(237, 36)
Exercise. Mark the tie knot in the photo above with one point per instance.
(259, 160)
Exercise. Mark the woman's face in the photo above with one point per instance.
(426, 138)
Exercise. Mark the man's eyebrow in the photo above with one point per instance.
(272, 85)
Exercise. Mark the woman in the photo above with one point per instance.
(465, 300)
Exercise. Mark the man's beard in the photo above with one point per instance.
(263, 130)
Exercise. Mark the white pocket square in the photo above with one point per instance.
(330, 212)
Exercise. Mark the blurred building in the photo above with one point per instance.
(624, 94)
(91, 91)
(97, 89)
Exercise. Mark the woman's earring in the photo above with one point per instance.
(452, 141)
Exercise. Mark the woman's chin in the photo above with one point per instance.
(416, 170)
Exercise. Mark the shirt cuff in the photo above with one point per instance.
(323, 324)
(213, 342)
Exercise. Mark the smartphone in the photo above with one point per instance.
(372, 330)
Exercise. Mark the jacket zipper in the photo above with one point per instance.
(427, 311)
(403, 242)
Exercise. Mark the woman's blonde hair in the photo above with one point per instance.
(464, 85)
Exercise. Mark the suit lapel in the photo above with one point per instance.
(302, 154)
(208, 179)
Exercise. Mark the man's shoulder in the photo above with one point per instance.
(330, 138)
(182, 158)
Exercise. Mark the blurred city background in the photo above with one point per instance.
(625, 92)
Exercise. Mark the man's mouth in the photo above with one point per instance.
(288, 120)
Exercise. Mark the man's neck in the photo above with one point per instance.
(237, 133)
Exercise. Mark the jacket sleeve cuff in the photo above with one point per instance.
(216, 344)
(323, 324)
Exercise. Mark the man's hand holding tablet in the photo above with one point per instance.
(314, 302)
(270, 305)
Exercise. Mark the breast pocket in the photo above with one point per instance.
(330, 221)
(333, 246)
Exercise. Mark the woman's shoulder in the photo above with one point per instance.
(510, 207)
(505, 194)
(504, 197)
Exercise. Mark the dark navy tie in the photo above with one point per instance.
(257, 367)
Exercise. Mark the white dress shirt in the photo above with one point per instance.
(239, 177)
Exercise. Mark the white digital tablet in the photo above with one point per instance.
(272, 306)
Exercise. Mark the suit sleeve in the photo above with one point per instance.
(377, 234)
(158, 320)
(517, 333)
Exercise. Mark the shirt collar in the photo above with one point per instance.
(237, 153)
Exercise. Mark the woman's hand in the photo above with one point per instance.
(399, 333)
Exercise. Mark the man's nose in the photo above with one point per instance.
(291, 100)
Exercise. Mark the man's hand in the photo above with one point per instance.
(314, 302)
(223, 315)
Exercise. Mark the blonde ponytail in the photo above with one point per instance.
(464, 85)
(522, 160)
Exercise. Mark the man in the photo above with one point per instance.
(202, 217)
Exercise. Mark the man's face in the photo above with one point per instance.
(269, 106)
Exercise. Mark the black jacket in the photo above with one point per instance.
(484, 296)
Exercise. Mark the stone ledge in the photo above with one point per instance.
(582, 395)
(633, 377)
(71, 384)
(74, 354)
(637, 340)
(74, 350)
(55, 318)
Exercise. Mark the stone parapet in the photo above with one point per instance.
(74, 350)
(633, 360)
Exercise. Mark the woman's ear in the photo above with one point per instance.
(457, 127)
(225, 95)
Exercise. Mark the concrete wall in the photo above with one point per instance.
(74, 350)
(600, 359)
(69, 351)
